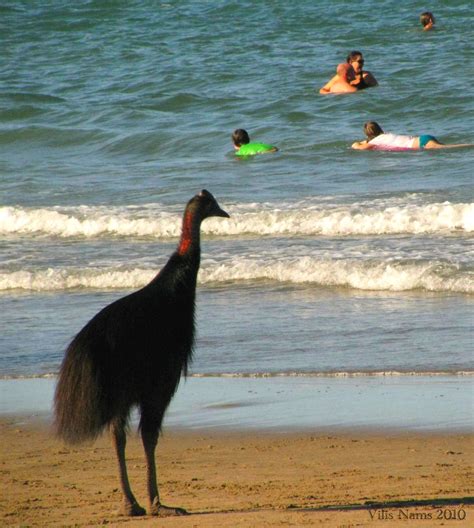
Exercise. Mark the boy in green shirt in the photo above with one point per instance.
(243, 147)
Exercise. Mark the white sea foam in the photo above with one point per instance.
(371, 218)
(363, 275)
(291, 374)
(333, 374)
(357, 274)
(87, 222)
(74, 278)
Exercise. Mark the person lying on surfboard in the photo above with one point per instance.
(377, 139)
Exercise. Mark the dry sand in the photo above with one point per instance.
(243, 480)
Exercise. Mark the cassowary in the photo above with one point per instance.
(132, 354)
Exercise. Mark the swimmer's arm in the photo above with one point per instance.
(327, 87)
(345, 87)
(370, 80)
(273, 149)
(361, 145)
(357, 79)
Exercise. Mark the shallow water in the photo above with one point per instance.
(286, 403)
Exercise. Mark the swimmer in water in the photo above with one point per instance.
(377, 139)
(427, 20)
(341, 82)
(362, 78)
(243, 147)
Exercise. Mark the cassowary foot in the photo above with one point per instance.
(160, 510)
(131, 509)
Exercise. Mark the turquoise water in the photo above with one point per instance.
(113, 114)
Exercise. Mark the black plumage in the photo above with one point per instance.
(132, 354)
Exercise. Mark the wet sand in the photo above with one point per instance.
(243, 479)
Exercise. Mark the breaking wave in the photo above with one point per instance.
(435, 276)
(370, 218)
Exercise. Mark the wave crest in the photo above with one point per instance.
(328, 220)
(363, 275)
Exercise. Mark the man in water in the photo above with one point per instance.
(341, 82)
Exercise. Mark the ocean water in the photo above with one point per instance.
(335, 263)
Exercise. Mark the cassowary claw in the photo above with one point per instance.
(160, 510)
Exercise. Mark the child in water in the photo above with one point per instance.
(377, 139)
(243, 147)
(427, 20)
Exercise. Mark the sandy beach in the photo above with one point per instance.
(246, 479)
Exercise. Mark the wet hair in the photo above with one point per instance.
(426, 18)
(372, 130)
(240, 137)
(353, 55)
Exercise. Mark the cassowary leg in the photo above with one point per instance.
(149, 431)
(130, 504)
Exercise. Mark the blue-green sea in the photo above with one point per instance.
(335, 263)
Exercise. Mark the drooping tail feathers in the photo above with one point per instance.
(79, 414)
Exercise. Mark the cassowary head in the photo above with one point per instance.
(205, 205)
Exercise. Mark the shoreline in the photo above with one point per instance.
(412, 404)
(242, 478)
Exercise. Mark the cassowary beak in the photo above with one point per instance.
(217, 211)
